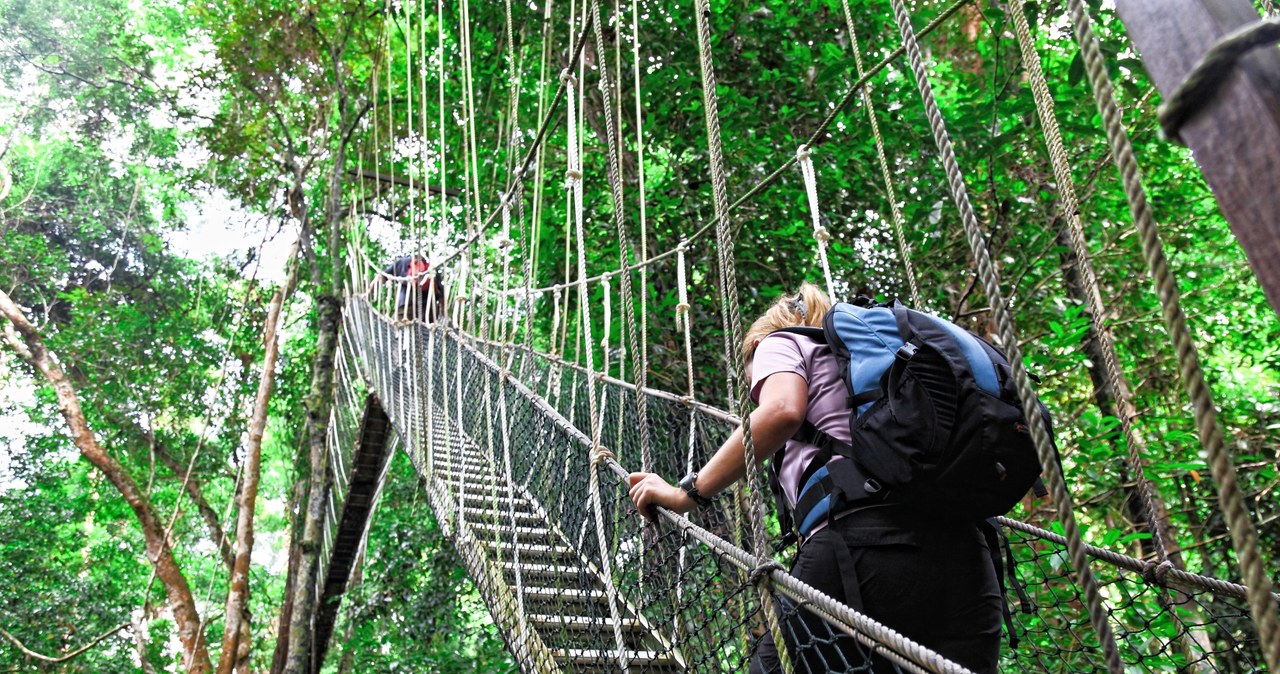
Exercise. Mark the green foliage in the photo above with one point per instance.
(115, 114)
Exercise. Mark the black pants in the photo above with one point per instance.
(933, 584)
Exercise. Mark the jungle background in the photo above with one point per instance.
(133, 133)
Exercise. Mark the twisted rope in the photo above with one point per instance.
(624, 244)
(1060, 161)
(815, 139)
(895, 212)
(1008, 335)
(597, 420)
(643, 358)
(729, 310)
(1243, 536)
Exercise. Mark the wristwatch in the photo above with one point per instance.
(689, 484)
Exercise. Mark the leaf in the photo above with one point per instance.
(831, 72)
(1033, 13)
(1075, 73)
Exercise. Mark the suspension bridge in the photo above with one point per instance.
(523, 450)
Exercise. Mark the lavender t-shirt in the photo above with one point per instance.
(789, 352)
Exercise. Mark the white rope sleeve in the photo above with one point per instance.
(820, 234)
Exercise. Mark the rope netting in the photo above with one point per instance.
(686, 593)
(521, 389)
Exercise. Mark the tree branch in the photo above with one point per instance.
(399, 180)
(52, 660)
(29, 346)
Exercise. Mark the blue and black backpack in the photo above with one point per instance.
(935, 420)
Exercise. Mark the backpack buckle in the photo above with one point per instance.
(906, 352)
(872, 486)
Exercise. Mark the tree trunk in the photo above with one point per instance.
(30, 347)
(319, 401)
(235, 638)
(279, 658)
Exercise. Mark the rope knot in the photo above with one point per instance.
(821, 234)
(762, 572)
(566, 77)
(682, 308)
(600, 453)
(573, 174)
(1157, 573)
(503, 241)
(687, 400)
(803, 152)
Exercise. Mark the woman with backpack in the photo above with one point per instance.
(927, 575)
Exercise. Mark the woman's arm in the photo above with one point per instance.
(783, 403)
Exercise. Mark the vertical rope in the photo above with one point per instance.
(1070, 206)
(624, 243)
(516, 180)
(574, 174)
(895, 211)
(1004, 322)
(642, 360)
(731, 315)
(1243, 536)
(683, 312)
(821, 237)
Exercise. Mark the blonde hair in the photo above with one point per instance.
(806, 307)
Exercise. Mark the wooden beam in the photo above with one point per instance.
(1236, 137)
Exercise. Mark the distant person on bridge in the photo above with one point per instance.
(419, 291)
(929, 577)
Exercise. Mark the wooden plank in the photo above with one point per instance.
(1235, 138)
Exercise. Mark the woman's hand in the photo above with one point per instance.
(648, 490)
